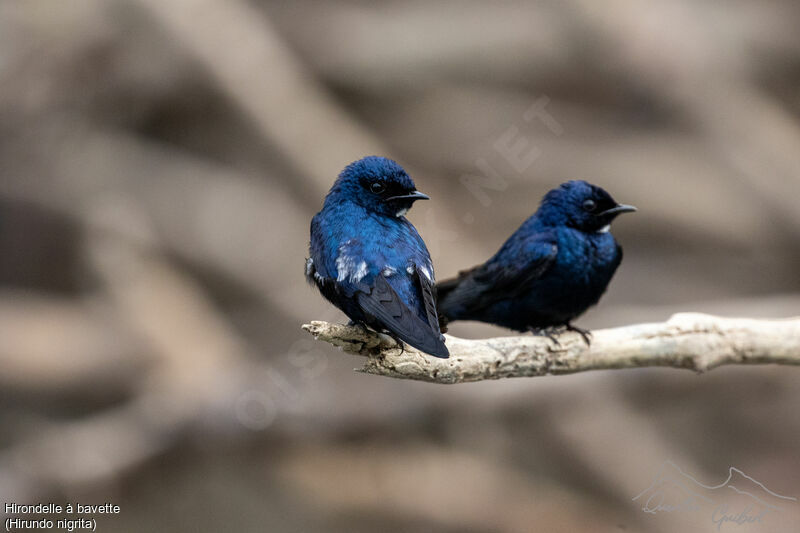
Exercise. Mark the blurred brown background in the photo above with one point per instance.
(160, 162)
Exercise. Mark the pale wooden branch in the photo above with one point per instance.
(687, 340)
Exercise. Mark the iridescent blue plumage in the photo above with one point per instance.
(367, 258)
(554, 267)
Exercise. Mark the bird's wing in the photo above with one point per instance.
(428, 299)
(382, 301)
(316, 268)
(501, 279)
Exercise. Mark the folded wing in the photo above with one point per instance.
(382, 302)
(496, 280)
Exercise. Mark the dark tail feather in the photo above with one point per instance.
(449, 307)
(443, 290)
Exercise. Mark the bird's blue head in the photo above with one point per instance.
(378, 184)
(582, 206)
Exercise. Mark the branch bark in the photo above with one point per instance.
(693, 341)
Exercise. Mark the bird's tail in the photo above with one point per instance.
(455, 297)
(443, 291)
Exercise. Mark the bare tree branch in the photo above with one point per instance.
(687, 340)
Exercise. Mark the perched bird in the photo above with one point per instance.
(554, 267)
(369, 261)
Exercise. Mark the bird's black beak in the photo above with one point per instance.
(618, 210)
(413, 195)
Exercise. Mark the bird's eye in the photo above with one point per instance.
(377, 187)
(589, 205)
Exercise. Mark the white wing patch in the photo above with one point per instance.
(347, 269)
(426, 272)
(360, 273)
(388, 271)
(309, 266)
(348, 266)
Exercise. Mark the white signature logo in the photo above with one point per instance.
(739, 500)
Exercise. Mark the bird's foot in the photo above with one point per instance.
(359, 325)
(396, 339)
(585, 333)
(401, 345)
(549, 332)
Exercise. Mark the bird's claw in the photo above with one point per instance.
(396, 339)
(364, 329)
(585, 333)
(550, 333)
